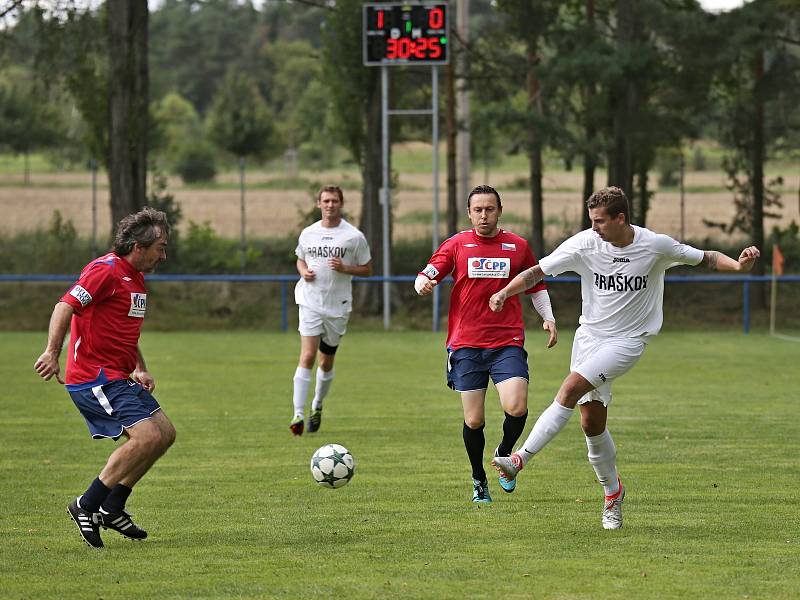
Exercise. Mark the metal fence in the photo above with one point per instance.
(286, 280)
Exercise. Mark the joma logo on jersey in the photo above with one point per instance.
(138, 305)
(492, 268)
(621, 260)
(620, 282)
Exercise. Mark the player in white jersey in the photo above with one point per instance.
(622, 283)
(329, 253)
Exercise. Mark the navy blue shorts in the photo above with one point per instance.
(114, 406)
(470, 368)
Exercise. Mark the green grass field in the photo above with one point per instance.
(707, 439)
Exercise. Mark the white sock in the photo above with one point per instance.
(603, 458)
(547, 426)
(324, 380)
(302, 381)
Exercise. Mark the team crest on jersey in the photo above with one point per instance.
(488, 268)
(81, 295)
(138, 305)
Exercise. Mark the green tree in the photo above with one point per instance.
(241, 123)
(355, 93)
(28, 121)
(757, 91)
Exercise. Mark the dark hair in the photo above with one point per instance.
(613, 199)
(485, 189)
(141, 228)
(331, 188)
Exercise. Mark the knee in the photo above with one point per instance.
(168, 436)
(592, 426)
(473, 421)
(145, 437)
(517, 409)
(306, 360)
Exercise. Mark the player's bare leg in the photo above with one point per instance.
(147, 441)
(514, 400)
(165, 438)
(473, 403)
(547, 426)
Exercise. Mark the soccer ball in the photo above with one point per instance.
(332, 466)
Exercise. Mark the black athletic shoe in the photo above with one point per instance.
(315, 420)
(121, 523)
(87, 524)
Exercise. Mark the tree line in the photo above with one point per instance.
(601, 83)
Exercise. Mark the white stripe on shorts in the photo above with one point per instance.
(101, 398)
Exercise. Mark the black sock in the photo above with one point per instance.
(512, 429)
(115, 502)
(94, 496)
(474, 442)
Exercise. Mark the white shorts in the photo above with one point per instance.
(330, 329)
(601, 360)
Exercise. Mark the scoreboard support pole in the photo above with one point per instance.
(386, 197)
(386, 192)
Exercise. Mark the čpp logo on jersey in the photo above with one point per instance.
(138, 305)
(488, 268)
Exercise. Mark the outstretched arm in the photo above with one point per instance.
(717, 261)
(527, 279)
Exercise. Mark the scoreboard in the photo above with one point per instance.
(405, 34)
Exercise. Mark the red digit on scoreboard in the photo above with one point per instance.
(404, 48)
(435, 48)
(436, 18)
(380, 19)
(391, 48)
(420, 48)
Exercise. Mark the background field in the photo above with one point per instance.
(705, 427)
(276, 197)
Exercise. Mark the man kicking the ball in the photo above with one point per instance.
(622, 286)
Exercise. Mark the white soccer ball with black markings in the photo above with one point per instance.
(332, 466)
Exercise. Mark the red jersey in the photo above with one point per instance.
(480, 267)
(109, 300)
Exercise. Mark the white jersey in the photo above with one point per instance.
(622, 289)
(330, 293)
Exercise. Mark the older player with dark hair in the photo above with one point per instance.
(622, 285)
(106, 375)
(482, 344)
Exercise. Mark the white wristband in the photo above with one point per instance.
(541, 302)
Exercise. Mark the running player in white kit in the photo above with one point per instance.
(329, 253)
(622, 286)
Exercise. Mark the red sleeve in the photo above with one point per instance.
(528, 261)
(441, 263)
(95, 283)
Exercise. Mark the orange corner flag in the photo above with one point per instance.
(777, 260)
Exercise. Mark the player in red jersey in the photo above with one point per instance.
(106, 377)
(482, 343)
